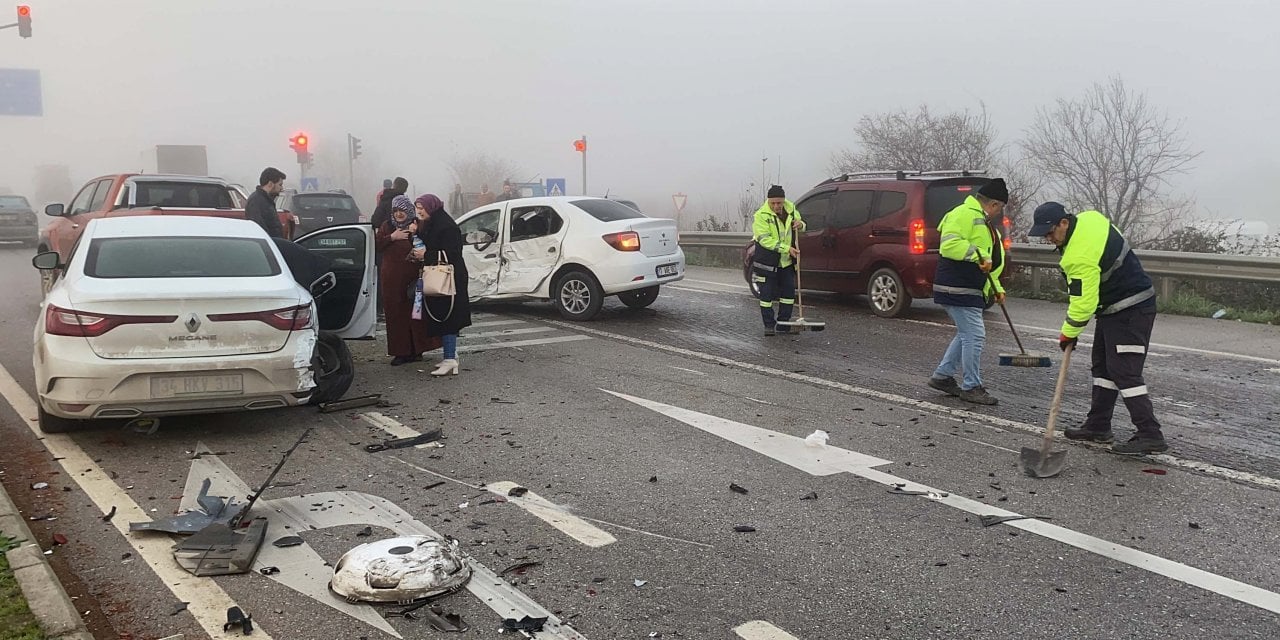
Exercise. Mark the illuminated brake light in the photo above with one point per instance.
(1008, 232)
(624, 241)
(916, 237)
(287, 319)
(964, 189)
(67, 322)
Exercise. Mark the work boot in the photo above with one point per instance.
(1141, 445)
(1083, 432)
(977, 395)
(946, 385)
(783, 329)
(770, 331)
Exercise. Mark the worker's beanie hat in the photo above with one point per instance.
(996, 190)
(776, 192)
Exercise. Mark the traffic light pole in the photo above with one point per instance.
(584, 164)
(351, 162)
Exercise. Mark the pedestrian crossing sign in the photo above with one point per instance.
(555, 186)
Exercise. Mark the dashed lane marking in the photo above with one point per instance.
(554, 515)
(509, 332)
(470, 348)
(761, 630)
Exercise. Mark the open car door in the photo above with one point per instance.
(481, 244)
(348, 309)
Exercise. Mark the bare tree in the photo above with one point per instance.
(921, 140)
(1025, 184)
(475, 169)
(1113, 151)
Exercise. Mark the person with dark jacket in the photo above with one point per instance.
(261, 207)
(407, 337)
(446, 316)
(382, 214)
(508, 192)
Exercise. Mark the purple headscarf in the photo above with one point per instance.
(402, 203)
(431, 203)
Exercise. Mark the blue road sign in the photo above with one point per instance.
(20, 93)
(311, 184)
(555, 187)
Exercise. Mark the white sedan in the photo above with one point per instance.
(157, 315)
(574, 251)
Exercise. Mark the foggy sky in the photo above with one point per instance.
(672, 95)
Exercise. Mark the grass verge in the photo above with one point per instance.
(16, 621)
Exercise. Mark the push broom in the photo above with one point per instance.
(1022, 358)
(801, 323)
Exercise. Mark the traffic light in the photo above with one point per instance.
(580, 145)
(24, 21)
(355, 147)
(299, 144)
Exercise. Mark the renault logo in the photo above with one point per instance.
(193, 323)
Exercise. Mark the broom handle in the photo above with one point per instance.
(1004, 310)
(799, 295)
(1057, 401)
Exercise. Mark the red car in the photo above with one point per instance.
(140, 194)
(876, 233)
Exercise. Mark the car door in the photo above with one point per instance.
(532, 248)
(64, 236)
(818, 237)
(349, 309)
(850, 213)
(482, 243)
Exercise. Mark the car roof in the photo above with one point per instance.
(174, 226)
(906, 176)
(308, 194)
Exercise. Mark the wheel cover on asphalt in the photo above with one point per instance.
(884, 293)
(575, 296)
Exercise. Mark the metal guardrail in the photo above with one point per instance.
(1173, 264)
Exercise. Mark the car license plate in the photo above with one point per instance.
(665, 270)
(176, 386)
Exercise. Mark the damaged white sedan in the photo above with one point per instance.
(159, 315)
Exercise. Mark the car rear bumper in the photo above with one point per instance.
(639, 272)
(917, 274)
(12, 233)
(74, 383)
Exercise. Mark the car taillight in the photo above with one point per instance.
(916, 237)
(624, 241)
(1008, 232)
(66, 322)
(287, 319)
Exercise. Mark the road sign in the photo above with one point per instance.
(20, 93)
(679, 199)
(311, 184)
(555, 186)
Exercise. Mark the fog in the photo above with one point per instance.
(674, 96)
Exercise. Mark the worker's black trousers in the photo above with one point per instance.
(777, 286)
(1120, 345)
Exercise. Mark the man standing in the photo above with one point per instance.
(970, 260)
(386, 184)
(457, 202)
(773, 257)
(1106, 279)
(508, 192)
(261, 207)
(382, 213)
(486, 196)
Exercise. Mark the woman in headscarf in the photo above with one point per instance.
(407, 339)
(445, 316)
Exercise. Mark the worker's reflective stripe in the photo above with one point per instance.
(1105, 384)
(787, 300)
(972, 250)
(759, 278)
(960, 291)
(978, 221)
(763, 267)
(1124, 253)
(1130, 348)
(950, 236)
(768, 304)
(1133, 392)
(1077, 323)
(1129, 302)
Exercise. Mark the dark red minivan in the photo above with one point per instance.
(876, 233)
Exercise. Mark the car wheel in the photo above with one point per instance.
(50, 423)
(578, 296)
(639, 298)
(748, 274)
(887, 295)
(334, 369)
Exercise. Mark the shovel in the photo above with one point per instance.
(1043, 462)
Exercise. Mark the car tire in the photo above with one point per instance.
(886, 293)
(50, 423)
(577, 296)
(334, 368)
(748, 274)
(639, 298)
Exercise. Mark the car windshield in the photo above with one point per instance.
(170, 194)
(14, 203)
(942, 197)
(180, 257)
(607, 210)
(324, 203)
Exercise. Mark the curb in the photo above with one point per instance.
(45, 596)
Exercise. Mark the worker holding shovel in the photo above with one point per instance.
(1106, 279)
(773, 258)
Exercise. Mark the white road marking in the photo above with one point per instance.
(822, 461)
(693, 371)
(554, 515)
(942, 410)
(718, 284)
(761, 630)
(496, 323)
(760, 401)
(208, 602)
(395, 429)
(714, 293)
(1274, 370)
(509, 332)
(519, 343)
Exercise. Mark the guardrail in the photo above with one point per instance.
(1168, 264)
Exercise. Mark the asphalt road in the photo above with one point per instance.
(628, 432)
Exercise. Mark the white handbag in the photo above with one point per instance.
(437, 279)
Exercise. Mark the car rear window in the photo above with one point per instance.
(18, 203)
(942, 197)
(324, 203)
(608, 210)
(180, 257)
(182, 195)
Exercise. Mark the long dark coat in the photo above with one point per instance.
(441, 233)
(397, 274)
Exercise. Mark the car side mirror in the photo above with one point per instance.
(47, 261)
(56, 210)
(322, 285)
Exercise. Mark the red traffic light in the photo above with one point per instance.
(24, 21)
(580, 145)
(24, 11)
(302, 141)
